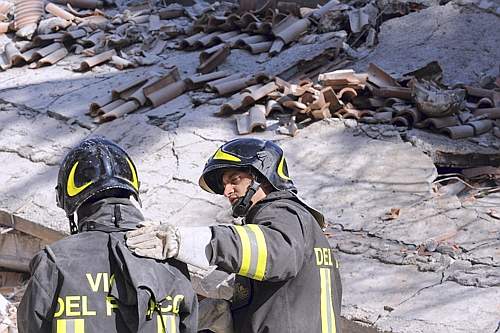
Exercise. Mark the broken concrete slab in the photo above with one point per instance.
(424, 220)
(31, 196)
(37, 138)
(447, 153)
(360, 186)
(411, 41)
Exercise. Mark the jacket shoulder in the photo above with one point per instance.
(286, 204)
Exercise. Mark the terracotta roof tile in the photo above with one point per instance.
(380, 78)
(52, 58)
(459, 132)
(96, 60)
(214, 60)
(273, 106)
(229, 86)
(27, 12)
(198, 81)
(293, 31)
(96, 105)
(5, 7)
(59, 12)
(254, 119)
(9, 54)
(119, 111)
(167, 93)
(491, 113)
(481, 126)
(109, 107)
(132, 83)
(438, 123)
(171, 11)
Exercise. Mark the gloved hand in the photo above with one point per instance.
(154, 241)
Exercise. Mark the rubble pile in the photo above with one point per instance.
(8, 310)
(268, 29)
(126, 39)
(469, 184)
(416, 100)
(152, 90)
(276, 25)
(46, 35)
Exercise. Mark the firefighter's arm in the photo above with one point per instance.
(37, 306)
(269, 249)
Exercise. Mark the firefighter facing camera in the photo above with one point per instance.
(287, 277)
(89, 281)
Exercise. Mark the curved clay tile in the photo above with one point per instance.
(27, 12)
(459, 132)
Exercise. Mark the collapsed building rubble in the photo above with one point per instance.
(415, 100)
(139, 37)
(126, 39)
(8, 317)
(153, 90)
(313, 89)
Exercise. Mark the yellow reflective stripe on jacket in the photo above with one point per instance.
(245, 250)
(260, 269)
(327, 314)
(253, 251)
(166, 324)
(70, 326)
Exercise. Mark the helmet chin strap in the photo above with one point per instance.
(241, 207)
(73, 228)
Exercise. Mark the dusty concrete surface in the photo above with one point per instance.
(434, 267)
(462, 39)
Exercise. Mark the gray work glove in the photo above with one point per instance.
(154, 241)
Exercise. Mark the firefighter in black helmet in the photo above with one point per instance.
(90, 282)
(287, 277)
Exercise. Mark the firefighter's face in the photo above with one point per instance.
(236, 183)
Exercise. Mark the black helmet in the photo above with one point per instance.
(265, 158)
(94, 166)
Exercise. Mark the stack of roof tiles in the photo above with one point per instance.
(126, 39)
(372, 97)
(146, 91)
(48, 34)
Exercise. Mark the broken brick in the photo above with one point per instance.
(343, 78)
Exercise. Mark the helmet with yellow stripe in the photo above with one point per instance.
(264, 159)
(93, 167)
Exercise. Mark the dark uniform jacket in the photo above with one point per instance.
(288, 279)
(91, 283)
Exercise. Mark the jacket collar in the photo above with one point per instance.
(288, 195)
(109, 214)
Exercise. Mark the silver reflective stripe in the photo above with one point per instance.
(253, 251)
(254, 256)
(167, 323)
(69, 326)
